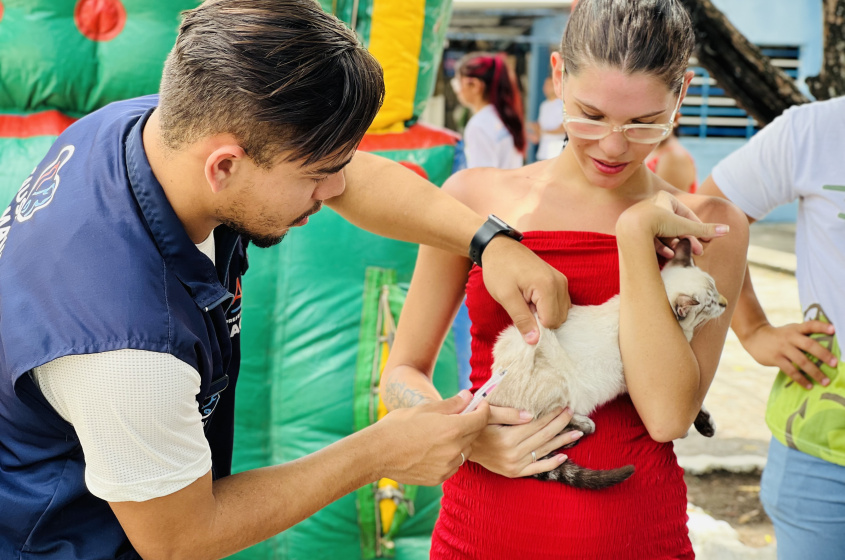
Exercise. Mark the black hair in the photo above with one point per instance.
(500, 90)
(282, 76)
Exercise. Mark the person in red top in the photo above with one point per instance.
(673, 163)
(600, 217)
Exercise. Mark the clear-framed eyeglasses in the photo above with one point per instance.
(639, 133)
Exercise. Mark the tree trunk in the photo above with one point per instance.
(831, 80)
(746, 74)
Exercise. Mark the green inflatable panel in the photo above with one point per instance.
(48, 62)
(303, 302)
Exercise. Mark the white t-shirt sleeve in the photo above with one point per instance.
(136, 415)
(551, 114)
(479, 147)
(759, 176)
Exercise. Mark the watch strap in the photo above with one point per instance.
(490, 229)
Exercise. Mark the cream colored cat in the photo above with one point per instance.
(579, 364)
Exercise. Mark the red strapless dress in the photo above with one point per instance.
(487, 516)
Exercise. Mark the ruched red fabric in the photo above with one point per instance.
(488, 516)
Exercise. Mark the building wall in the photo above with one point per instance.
(781, 22)
(767, 22)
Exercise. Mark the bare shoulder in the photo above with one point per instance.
(673, 157)
(721, 211)
(479, 187)
(713, 208)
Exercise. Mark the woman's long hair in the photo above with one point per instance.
(500, 90)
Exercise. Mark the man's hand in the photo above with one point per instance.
(523, 283)
(505, 446)
(784, 347)
(424, 443)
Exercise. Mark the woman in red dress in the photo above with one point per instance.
(600, 217)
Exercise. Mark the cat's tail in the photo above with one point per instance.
(704, 423)
(581, 477)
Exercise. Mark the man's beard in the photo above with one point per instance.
(262, 242)
(266, 241)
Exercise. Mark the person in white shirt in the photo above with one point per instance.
(798, 157)
(495, 135)
(549, 130)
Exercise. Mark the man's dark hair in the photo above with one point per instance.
(279, 75)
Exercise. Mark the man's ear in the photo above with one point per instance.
(222, 164)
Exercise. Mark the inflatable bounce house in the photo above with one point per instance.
(318, 310)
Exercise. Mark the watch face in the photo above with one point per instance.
(498, 222)
(504, 228)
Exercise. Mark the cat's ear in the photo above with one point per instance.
(683, 304)
(683, 253)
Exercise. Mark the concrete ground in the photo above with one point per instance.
(738, 395)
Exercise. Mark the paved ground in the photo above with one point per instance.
(775, 236)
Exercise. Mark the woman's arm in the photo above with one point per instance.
(436, 291)
(435, 294)
(667, 377)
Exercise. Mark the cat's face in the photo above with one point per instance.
(691, 291)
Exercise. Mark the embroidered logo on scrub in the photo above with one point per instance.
(36, 195)
(33, 196)
(233, 318)
(213, 399)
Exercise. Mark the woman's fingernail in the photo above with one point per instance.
(576, 435)
(808, 386)
(833, 362)
(825, 382)
(561, 458)
(525, 415)
(567, 410)
(831, 329)
(531, 336)
(722, 229)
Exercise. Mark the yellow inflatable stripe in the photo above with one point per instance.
(385, 352)
(387, 507)
(395, 40)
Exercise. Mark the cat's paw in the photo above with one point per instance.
(583, 424)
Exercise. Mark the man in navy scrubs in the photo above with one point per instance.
(119, 346)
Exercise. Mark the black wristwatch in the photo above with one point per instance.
(491, 228)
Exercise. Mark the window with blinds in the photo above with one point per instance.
(708, 112)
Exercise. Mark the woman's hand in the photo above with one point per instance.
(505, 445)
(666, 219)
